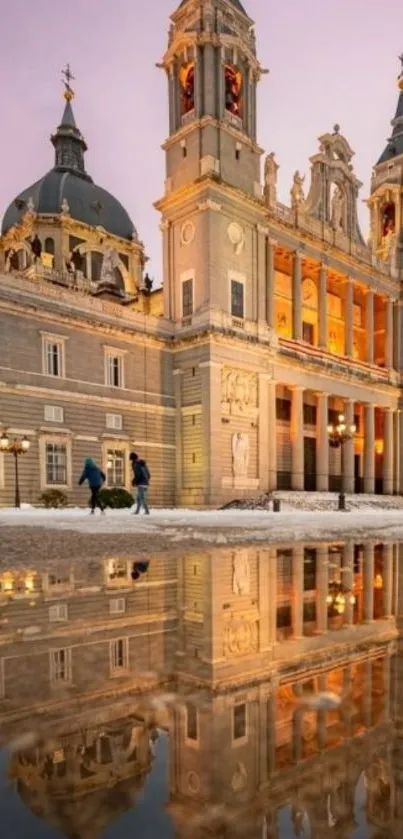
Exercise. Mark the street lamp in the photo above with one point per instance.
(340, 433)
(339, 596)
(15, 447)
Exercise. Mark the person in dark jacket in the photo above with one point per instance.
(95, 477)
(141, 479)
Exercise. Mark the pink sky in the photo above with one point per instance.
(329, 62)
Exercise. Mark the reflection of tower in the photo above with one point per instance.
(212, 72)
(386, 201)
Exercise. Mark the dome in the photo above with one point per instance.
(69, 182)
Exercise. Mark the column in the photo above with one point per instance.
(321, 716)
(369, 567)
(296, 297)
(178, 378)
(323, 306)
(348, 580)
(297, 728)
(397, 339)
(297, 438)
(271, 733)
(270, 280)
(322, 588)
(388, 580)
(322, 443)
(272, 426)
(264, 432)
(388, 451)
(261, 272)
(348, 450)
(387, 680)
(369, 326)
(389, 333)
(297, 602)
(396, 452)
(369, 448)
(263, 737)
(211, 431)
(368, 694)
(348, 315)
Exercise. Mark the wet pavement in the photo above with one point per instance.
(240, 692)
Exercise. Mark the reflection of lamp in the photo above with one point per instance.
(339, 434)
(378, 446)
(339, 596)
(378, 581)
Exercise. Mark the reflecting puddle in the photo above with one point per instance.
(232, 693)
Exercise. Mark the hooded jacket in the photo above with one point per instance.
(93, 474)
(141, 473)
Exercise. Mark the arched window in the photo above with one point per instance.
(388, 218)
(50, 245)
(233, 90)
(187, 87)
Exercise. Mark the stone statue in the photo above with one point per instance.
(297, 192)
(240, 454)
(30, 205)
(270, 180)
(109, 263)
(241, 573)
(64, 206)
(337, 209)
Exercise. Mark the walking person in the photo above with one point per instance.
(96, 478)
(141, 480)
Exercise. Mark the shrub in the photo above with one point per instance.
(116, 498)
(53, 499)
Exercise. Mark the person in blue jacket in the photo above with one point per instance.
(141, 480)
(96, 478)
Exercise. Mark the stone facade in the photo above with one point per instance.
(271, 322)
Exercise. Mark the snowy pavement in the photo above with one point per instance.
(216, 527)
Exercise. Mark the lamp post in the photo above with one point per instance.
(15, 447)
(339, 434)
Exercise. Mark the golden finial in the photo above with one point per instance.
(68, 77)
(400, 76)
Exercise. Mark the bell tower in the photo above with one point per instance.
(212, 157)
(386, 200)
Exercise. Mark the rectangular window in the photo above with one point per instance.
(116, 471)
(53, 357)
(191, 722)
(117, 606)
(56, 580)
(239, 722)
(283, 410)
(307, 332)
(114, 370)
(58, 612)
(119, 655)
(60, 665)
(114, 422)
(56, 464)
(309, 569)
(187, 298)
(237, 299)
(309, 414)
(117, 569)
(53, 413)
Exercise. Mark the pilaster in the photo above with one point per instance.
(348, 302)
(387, 451)
(178, 378)
(369, 325)
(369, 449)
(348, 451)
(297, 437)
(296, 297)
(323, 306)
(322, 443)
(211, 430)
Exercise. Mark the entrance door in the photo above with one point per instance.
(358, 487)
(310, 464)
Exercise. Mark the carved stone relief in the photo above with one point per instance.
(187, 234)
(241, 573)
(240, 454)
(240, 638)
(236, 236)
(238, 392)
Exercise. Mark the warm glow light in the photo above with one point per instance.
(25, 444)
(4, 442)
(378, 582)
(378, 446)
(329, 599)
(341, 417)
(353, 428)
(29, 583)
(8, 582)
(330, 429)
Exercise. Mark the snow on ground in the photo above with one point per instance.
(220, 526)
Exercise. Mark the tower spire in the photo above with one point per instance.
(394, 147)
(68, 141)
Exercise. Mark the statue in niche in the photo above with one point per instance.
(187, 81)
(109, 263)
(297, 192)
(388, 226)
(233, 90)
(241, 573)
(337, 209)
(36, 247)
(270, 180)
(240, 454)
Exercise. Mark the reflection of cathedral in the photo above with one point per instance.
(281, 677)
(288, 299)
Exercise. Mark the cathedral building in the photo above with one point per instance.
(272, 320)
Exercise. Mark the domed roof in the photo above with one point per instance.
(69, 182)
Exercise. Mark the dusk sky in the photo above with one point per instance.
(329, 62)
